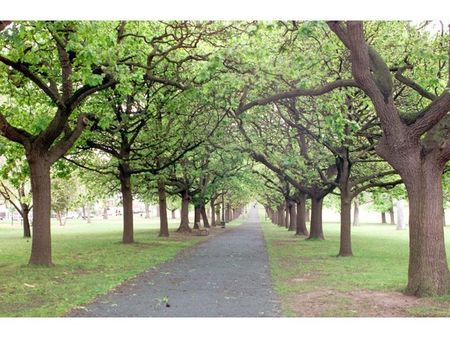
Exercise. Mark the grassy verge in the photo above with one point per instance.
(311, 269)
(89, 260)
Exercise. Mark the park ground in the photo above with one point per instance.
(312, 282)
(89, 261)
(307, 276)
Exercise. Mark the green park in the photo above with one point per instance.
(186, 168)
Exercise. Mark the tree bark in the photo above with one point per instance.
(196, 217)
(391, 215)
(184, 214)
(316, 230)
(428, 272)
(162, 207)
(41, 249)
(213, 212)
(59, 218)
(383, 217)
(26, 221)
(204, 216)
(127, 205)
(280, 216)
(345, 244)
(292, 217)
(301, 216)
(227, 212)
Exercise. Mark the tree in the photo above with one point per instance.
(50, 69)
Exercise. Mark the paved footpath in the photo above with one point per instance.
(227, 276)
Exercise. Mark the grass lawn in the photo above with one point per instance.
(312, 281)
(89, 260)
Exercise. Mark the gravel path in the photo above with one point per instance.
(226, 276)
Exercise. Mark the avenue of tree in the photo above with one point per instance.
(212, 115)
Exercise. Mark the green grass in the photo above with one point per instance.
(89, 260)
(379, 263)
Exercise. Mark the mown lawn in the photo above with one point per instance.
(89, 260)
(301, 267)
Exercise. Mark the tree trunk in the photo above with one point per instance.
(292, 217)
(383, 218)
(227, 212)
(204, 216)
(162, 208)
(301, 216)
(391, 215)
(184, 215)
(147, 210)
(59, 218)
(428, 272)
(127, 204)
(316, 231)
(41, 249)
(217, 215)
(286, 215)
(196, 217)
(400, 216)
(26, 221)
(355, 213)
(345, 248)
(213, 212)
(280, 216)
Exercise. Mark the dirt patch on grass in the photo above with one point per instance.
(358, 303)
(308, 276)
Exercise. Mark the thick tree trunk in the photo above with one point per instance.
(355, 213)
(428, 272)
(26, 221)
(316, 231)
(292, 217)
(184, 215)
(280, 216)
(383, 217)
(213, 212)
(391, 215)
(227, 212)
(41, 249)
(127, 205)
(301, 216)
(162, 207)
(204, 216)
(146, 211)
(196, 217)
(345, 248)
